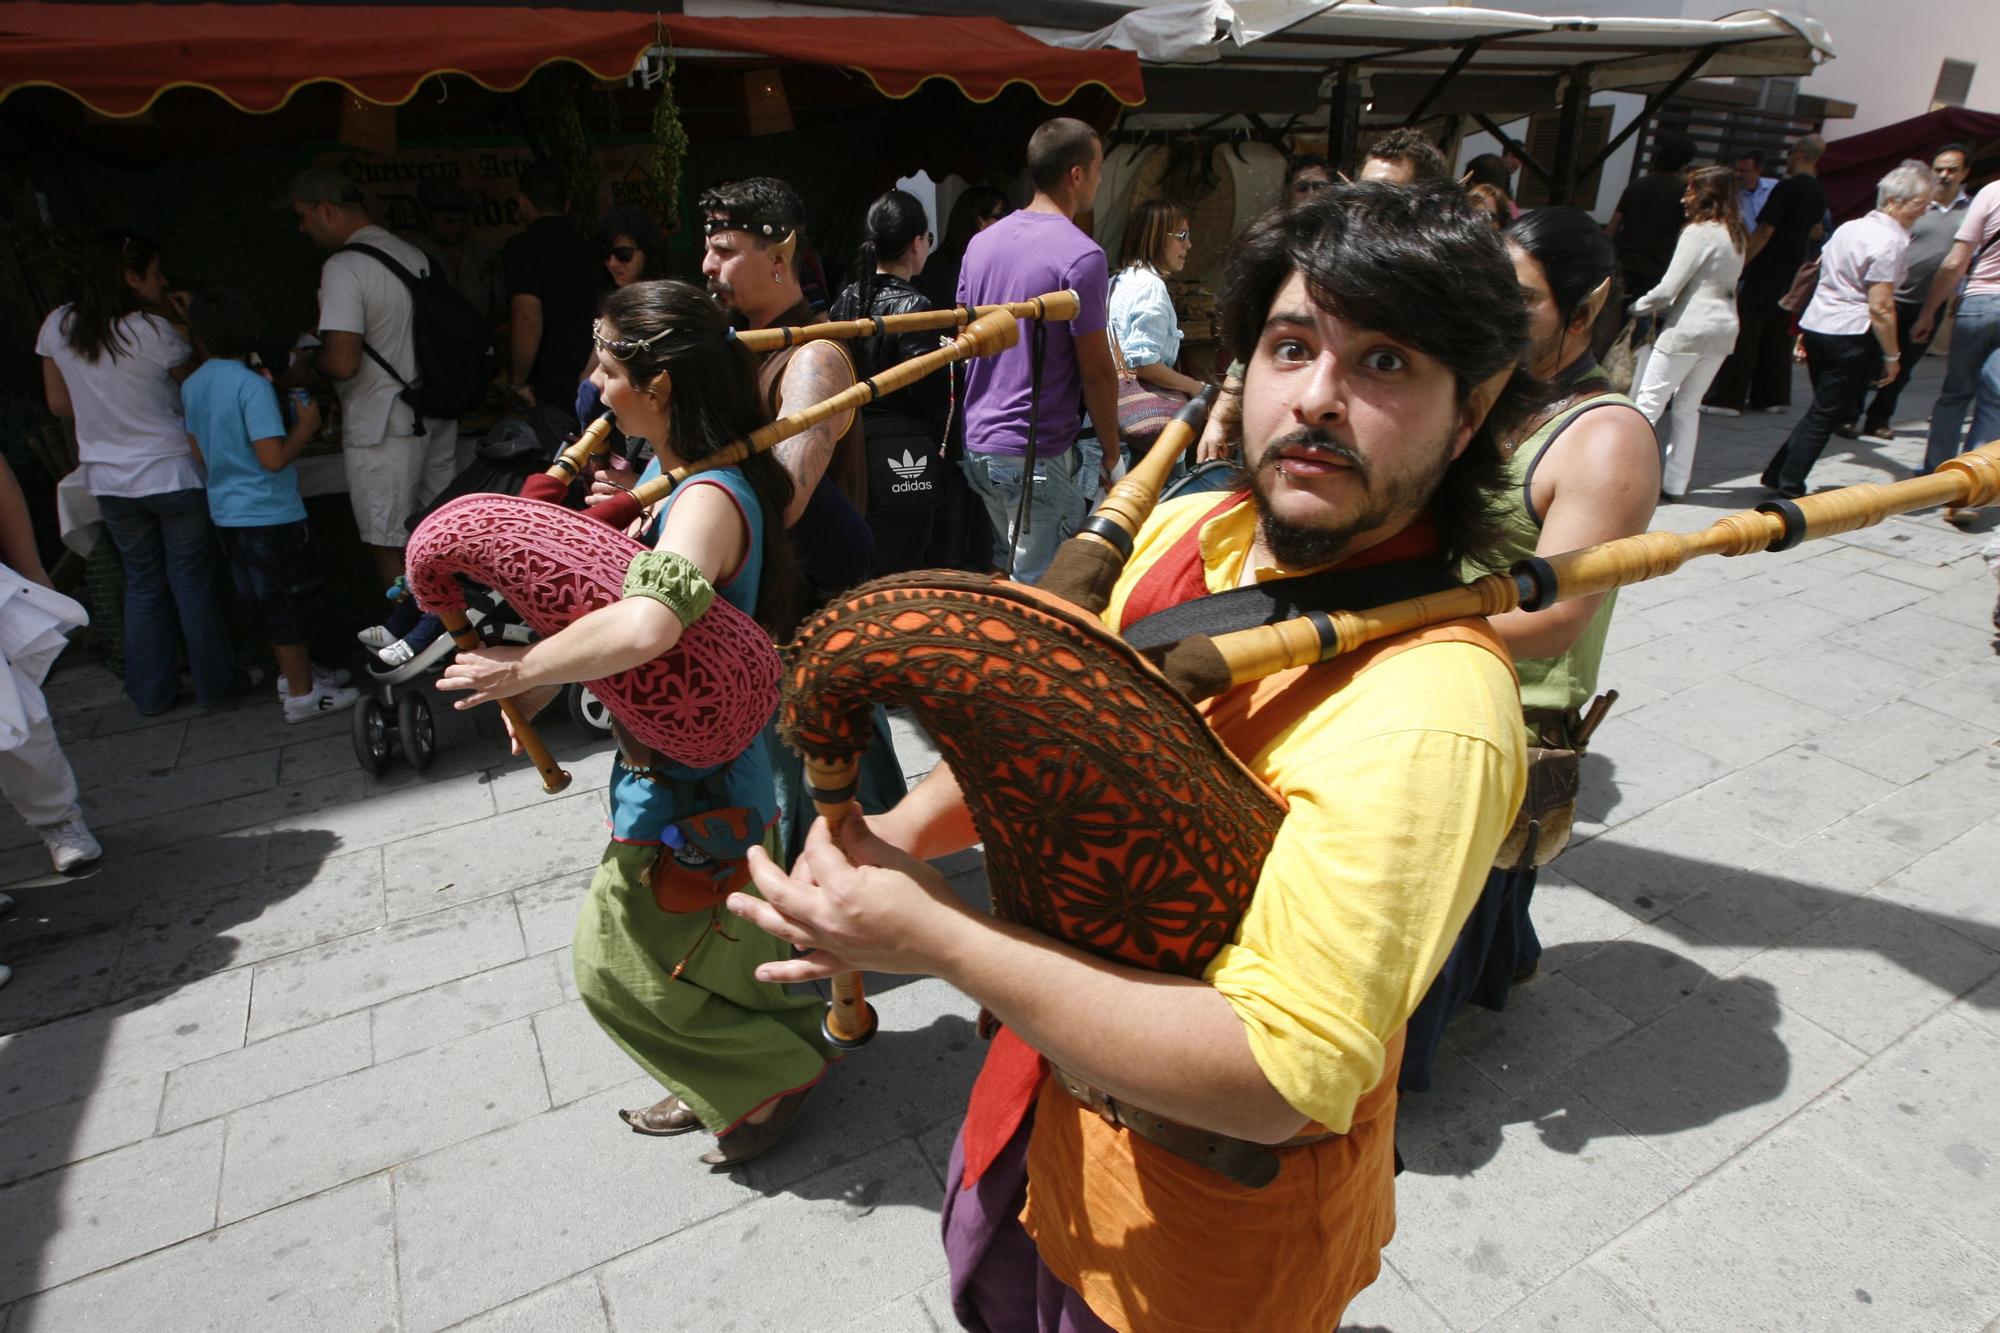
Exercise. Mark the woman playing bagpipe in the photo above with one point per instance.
(1212, 1149)
(653, 963)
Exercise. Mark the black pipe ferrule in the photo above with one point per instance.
(1794, 519)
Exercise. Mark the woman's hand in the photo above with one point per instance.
(852, 904)
(529, 702)
(489, 673)
(614, 478)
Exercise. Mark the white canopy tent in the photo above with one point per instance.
(1390, 64)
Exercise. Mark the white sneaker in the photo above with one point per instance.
(6, 904)
(72, 850)
(375, 638)
(396, 653)
(1709, 411)
(320, 676)
(324, 699)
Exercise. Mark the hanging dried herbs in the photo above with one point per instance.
(670, 147)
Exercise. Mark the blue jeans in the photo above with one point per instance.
(1055, 510)
(168, 550)
(1972, 375)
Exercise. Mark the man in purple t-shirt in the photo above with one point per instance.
(1032, 251)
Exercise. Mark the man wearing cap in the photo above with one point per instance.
(396, 460)
(472, 269)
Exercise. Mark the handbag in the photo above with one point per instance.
(1542, 826)
(1799, 295)
(1143, 409)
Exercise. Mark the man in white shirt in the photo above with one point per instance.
(1850, 327)
(396, 460)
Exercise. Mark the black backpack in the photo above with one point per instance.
(456, 359)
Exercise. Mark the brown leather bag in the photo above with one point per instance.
(1555, 775)
(709, 865)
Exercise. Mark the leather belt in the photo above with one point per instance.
(1251, 1165)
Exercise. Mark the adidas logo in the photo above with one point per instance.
(909, 468)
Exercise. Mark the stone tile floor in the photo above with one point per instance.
(306, 1053)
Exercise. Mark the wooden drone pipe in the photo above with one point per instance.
(1087, 566)
(1055, 305)
(1203, 667)
(986, 335)
(554, 776)
(850, 1020)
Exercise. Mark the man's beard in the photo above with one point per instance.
(1301, 546)
(722, 293)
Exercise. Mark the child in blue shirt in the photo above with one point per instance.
(237, 431)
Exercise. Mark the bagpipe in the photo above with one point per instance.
(704, 700)
(1112, 816)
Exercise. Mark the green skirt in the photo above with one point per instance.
(721, 1040)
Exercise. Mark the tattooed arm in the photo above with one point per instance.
(816, 372)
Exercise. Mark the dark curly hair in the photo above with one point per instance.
(1424, 266)
(759, 199)
(715, 400)
(1415, 148)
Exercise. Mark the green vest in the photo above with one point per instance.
(1570, 679)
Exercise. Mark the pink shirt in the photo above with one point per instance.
(1862, 253)
(1982, 221)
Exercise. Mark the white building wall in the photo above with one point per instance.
(1887, 53)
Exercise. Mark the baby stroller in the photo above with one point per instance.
(394, 711)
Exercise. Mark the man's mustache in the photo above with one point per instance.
(1313, 438)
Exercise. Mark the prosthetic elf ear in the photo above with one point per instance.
(1593, 304)
(1480, 401)
(782, 251)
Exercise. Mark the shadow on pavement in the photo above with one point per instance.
(1711, 1046)
(103, 974)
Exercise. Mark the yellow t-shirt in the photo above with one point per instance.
(1398, 788)
(1399, 785)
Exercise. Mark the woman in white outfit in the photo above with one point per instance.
(35, 620)
(1697, 303)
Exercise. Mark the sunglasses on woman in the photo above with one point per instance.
(623, 349)
(624, 254)
(1180, 235)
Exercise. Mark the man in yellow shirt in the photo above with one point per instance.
(1380, 328)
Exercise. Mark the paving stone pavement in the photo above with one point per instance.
(307, 1054)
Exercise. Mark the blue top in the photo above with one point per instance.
(642, 811)
(227, 406)
(1143, 319)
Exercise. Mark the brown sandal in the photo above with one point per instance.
(670, 1115)
(747, 1140)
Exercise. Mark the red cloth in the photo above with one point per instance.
(1012, 1076)
(118, 58)
(1850, 167)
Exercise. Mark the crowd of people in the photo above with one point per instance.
(1737, 275)
(1414, 399)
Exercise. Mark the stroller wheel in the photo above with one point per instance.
(414, 729)
(371, 735)
(588, 711)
